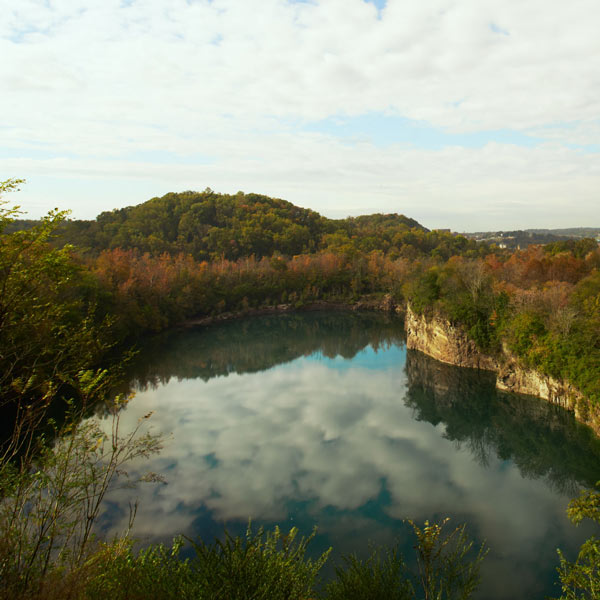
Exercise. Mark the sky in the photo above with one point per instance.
(462, 114)
(323, 449)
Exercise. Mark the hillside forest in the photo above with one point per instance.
(74, 295)
(190, 255)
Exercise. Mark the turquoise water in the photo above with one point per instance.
(325, 419)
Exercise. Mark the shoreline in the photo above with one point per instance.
(385, 304)
(436, 337)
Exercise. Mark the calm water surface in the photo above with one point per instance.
(325, 419)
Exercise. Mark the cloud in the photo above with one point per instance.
(306, 434)
(500, 186)
(103, 80)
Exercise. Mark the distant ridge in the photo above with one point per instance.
(209, 225)
(526, 237)
(570, 232)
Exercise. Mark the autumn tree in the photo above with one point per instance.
(49, 328)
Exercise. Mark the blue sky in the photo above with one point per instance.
(466, 114)
(385, 130)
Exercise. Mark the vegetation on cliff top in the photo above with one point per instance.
(542, 304)
(196, 254)
(62, 310)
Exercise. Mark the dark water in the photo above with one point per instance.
(325, 419)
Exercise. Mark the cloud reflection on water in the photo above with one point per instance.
(342, 445)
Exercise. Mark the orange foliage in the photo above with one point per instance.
(533, 267)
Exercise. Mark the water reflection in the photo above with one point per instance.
(259, 343)
(540, 438)
(333, 441)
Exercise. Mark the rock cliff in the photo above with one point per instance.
(440, 339)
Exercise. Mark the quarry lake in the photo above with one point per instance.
(304, 419)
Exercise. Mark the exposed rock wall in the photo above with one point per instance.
(441, 340)
(438, 338)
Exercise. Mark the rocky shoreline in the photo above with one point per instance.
(448, 343)
(385, 304)
(440, 339)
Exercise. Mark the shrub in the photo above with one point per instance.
(581, 579)
(381, 576)
(50, 499)
(261, 566)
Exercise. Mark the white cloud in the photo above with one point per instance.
(498, 186)
(311, 434)
(101, 80)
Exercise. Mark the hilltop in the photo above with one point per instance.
(209, 226)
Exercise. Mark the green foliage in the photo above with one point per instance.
(49, 326)
(272, 565)
(382, 576)
(549, 337)
(156, 572)
(263, 565)
(52, 495)
(581, 579)
(445, 569)
(53, 478)
(8, 215)
(423, 290)
(205, 225)
(212, 226)
(579, 248)
(524, 331)
(587, 506)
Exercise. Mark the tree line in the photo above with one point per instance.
(74, 294)
(542, 302)
(210, 226)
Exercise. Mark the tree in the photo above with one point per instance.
(53, 478)
(52, 497)
(49, 328)
(581, 579)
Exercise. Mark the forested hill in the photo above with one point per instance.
(209, 226)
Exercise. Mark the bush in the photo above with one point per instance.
(51, 497)
(261, 566)
(581, 579)
(381, 576)
(447, 569)
(155, 572)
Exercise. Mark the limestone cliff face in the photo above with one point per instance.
(438, 338)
